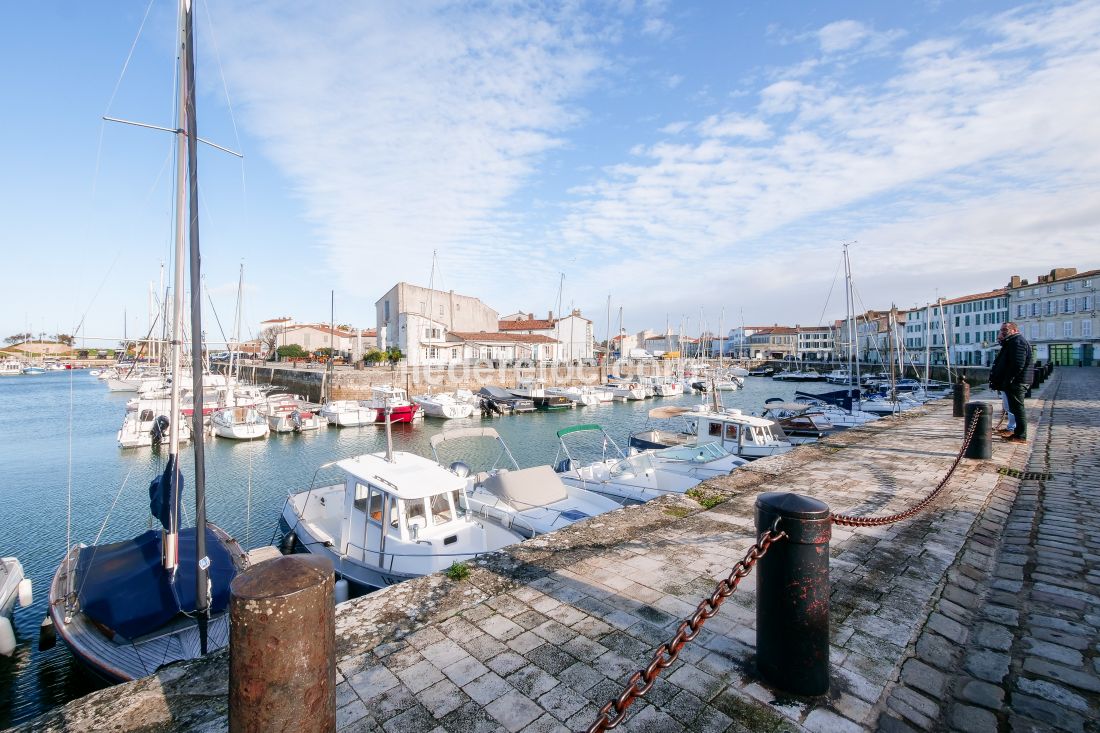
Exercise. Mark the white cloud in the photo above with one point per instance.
(408, 127)
(970, 156)
(842, 35)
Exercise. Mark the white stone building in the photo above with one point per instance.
(970, 322)
(1057, 314)
(418, 320)
(572, 332)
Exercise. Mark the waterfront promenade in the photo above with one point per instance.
(979, 612)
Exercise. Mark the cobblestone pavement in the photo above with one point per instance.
(1014, 643)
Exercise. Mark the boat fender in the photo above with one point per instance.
(7, 637)
(340, 590)
(286, 545)
(47, 635)
(26, 593)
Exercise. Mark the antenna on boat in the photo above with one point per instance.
(389, 430)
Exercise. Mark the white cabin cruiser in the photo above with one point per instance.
(742, 435)
(531, 501)
(582, 395)
(641, 476)
(290, 416)
(239, 423)
(147, 425)
(11, 368)
(626, 390)
(443, 405)
(394, 516)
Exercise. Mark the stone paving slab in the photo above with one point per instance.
(539, 636)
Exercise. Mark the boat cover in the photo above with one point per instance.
(124, 587)
(841, 398)
(528, 487)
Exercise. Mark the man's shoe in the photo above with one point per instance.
(1015, 439)
(1006, 433)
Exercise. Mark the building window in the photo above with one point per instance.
(1086, 328)
(1087, 303)
(1052, 307)
(1067, 329)
(386, 310)
(1020, 311)
(1052, 332)
(1069, 287)
(440, 311)
(1067, 305)
(1050, 288)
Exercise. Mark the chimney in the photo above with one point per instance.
(550, 316)
(1061, 273)
(1014, 282)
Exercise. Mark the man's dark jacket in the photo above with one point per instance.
(1013, 364)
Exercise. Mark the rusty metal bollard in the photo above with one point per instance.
(981, 443)
(282, 647)
(960, 392)
(792, 594)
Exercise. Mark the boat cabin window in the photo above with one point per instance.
(442, 511)
(414, 514)
(146, 416)
(714, 429)
(731, 432)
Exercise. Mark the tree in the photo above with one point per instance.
(19, 338)
(269, 337)
(291, 351)
(394, 355)
(374, 356)
(323, 352)
(64, 338)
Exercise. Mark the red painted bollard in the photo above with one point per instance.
(282, 647)
(792, 594)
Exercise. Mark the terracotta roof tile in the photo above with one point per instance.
(530, 324)
(497, 337)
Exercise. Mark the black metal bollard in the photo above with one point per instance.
(981, 444)
(792, 594)
(282, 647)
(960, 393)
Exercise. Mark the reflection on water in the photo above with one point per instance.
(57, 430)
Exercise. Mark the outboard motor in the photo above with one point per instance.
(460, 469)
(564, 465)
(159, 431)
(296, 421)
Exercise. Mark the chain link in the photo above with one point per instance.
(641, 681)
(849, 520)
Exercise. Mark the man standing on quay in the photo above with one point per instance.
(1011, 374)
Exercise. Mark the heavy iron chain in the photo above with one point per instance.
(854, 521)
(641, 681)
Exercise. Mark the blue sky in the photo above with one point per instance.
(679, 156)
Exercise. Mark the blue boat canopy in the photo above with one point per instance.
(124, 587)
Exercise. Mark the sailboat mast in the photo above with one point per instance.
(850, 306)
(170, 538)
(187, 94)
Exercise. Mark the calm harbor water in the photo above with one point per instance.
(58, 450)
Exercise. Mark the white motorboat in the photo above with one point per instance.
(147, 425)
(740, 434)
(663, 386)
(839, 376)
(626, 390)
(350, 413)
(394, 516)
(239, 423)
(642, 475)
(287, 413)
(11, 368)
(543, 398)
(531, 501)
(443, 405)
(13, 587)
(582, 395)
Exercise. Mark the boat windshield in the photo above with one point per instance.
(702, 453)
(431, 511)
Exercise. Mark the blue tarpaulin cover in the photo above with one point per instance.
(841, 398)
(164, 494)
(124, 587)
